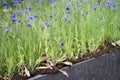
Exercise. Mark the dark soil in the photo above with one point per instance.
(103, 49)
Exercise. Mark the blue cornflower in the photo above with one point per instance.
(44, 14)
(113, 5)
(67, 8)
(62, 44)
(17, 1)
(95, 8)
(14, 5)
(77, 6)
(13, 15)
(69, 11)
(36, 15)
(19, 21)
(51, 16)
(29, 7)
(4, 3)
(54, 4)
(108, 4)
(14, 20)
(20, 1)
(50, 1)
(7, 30)
(47, 24)
(69, 20)
(65, 19)
(30, 17)
(26, 11)
(29, 25)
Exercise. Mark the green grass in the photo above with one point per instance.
(25, 46)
